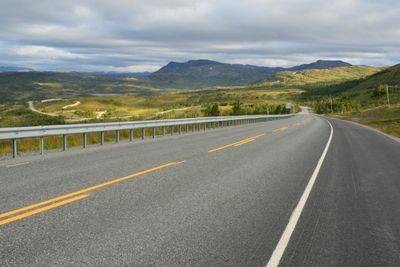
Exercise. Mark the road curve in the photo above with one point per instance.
(217, 198)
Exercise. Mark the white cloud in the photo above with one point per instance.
(46, 52)
(97, 34)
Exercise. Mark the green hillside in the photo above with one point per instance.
(363, 100)
(335, 75)
(389, 76)
(24, 86)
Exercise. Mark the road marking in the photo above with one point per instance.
(280, 129)
(294, 217)
(85, 190)
(244, 142)
(42, 209)
(17, 164)
(232, 144)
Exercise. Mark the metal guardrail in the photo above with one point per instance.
(41, 132)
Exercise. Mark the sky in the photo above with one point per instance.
(143, 35)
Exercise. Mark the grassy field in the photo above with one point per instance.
(383, 118)
(161, 105)
(171, 104)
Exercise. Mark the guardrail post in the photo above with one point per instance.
(193, 128)
(187, 128)
(131, 135)
(117, 136)
(102, 138)
(205, 126)
(41, 145)
(143, 133)
(180, 129)
(154, 132)
(65, 142)
(163, 130)
(84, 140)
(172, 130)
(14, 148)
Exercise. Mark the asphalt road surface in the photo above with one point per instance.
(293, 192)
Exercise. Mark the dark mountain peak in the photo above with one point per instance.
(321, 64)
(182, 66)
(201, 62)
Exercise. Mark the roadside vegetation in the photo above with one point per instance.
(160, 105)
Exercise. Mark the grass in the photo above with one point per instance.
(383, 118)
(170, 104)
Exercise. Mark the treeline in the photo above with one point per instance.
(323, 106)
(321, 89)
(355, 101)
(239, 108)
(381, 90)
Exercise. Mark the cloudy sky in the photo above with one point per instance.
(142, 35)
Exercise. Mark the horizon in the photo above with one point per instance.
(132, 36)
(180, 62)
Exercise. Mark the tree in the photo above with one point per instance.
(212, 110)
(236, 109)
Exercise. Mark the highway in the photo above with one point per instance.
(302, 191)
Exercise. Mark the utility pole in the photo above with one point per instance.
(387, 95)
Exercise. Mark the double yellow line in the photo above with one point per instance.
(237, 143)
(30, 210)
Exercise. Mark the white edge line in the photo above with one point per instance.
(367, 127)
(294, 217)
(17, 164)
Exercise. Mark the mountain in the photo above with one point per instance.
(320, 64)
(389, 76)
(14, 69)
(205, 73)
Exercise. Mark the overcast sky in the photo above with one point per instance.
(143, 35)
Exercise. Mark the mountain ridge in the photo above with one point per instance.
(204, 73)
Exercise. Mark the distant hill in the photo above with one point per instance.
(123, 74)
(389, 76)
(205, 73)
(320, 64)
(325, 76)
(14, 69)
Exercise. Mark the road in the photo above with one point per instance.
(251, 195)
(32, 108)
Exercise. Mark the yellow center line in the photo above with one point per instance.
(85, 190)
(232, 144)
(245, 142)
(280, 129)
(42, 209)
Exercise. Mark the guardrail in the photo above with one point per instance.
(41, 132)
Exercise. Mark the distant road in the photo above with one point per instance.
(249, 195)
(32, 108)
